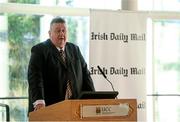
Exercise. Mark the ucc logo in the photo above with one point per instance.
(103, 110)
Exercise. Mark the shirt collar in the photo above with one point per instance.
(60, 48)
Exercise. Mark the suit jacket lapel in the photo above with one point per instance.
(68, 56)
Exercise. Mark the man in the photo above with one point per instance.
(49, 71)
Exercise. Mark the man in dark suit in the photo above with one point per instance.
(49, 72)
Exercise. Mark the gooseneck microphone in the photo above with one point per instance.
(105, 77)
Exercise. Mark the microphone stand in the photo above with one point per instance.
(106, 78)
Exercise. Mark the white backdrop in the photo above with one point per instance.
(118, 46)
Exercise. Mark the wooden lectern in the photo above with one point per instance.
(91, 110)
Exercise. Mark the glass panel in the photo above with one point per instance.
(23, 33)
(166, 70)
(167, 56)
(4, 81)
(78, 28)
(18, 33)
(3, 114)
(18, 110)
(145, 4)
(166, 79)
(3, 1)
(167, 109)
(96, 4)
(167, 5)
(163, 5)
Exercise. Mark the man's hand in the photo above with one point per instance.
(39, 106)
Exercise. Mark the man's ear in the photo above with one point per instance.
(49, 32)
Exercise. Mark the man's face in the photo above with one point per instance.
(58, 35)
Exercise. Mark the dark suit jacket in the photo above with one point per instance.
(46, 73)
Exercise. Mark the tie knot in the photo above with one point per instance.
(61, 51)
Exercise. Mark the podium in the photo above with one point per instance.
(91, 110)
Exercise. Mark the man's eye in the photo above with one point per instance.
(57, 31)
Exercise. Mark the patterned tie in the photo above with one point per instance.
(68, 94)
(68, 90)
(62, 54)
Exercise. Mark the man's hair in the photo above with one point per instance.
(57, 20)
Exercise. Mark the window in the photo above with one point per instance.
(164, 46)
(159, 5)
(19, 31)
(167, 69)
(16, 52)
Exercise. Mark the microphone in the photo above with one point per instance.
(105, 77)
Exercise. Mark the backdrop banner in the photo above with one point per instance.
(118, 47)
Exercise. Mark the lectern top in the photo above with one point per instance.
(98, 95)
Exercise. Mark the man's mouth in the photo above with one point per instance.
(61, 38)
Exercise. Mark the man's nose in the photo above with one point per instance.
(61, 33)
